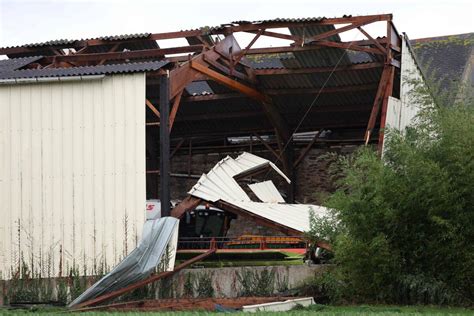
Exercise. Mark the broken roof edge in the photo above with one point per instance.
(265, 163)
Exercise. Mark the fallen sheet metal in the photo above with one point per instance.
(157, 248)
(266, 191)
(220, 184)
(282, 306)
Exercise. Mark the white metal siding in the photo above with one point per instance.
(72, 173)
(394, 108)
(410, 73)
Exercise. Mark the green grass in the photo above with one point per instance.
(314, 310)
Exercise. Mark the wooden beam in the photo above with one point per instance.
(152, 107)
(229, 72)
(353, 88)
(146, 53)
(277, 156)
(348, 46)
(230, 83)
(354, 45)
(177, 147)
(211, 97)
(378, 97)
(252, 114)
(307, 149)
(292, 71)
(383, 116)
(376, 43)
(113, 49)
(228, 29)
(274, 117)
(288, 37)
(246, 49)
(174, 110)
(346, 28)
(188, 204)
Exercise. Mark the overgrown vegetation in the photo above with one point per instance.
(256, 283)
(402, 227)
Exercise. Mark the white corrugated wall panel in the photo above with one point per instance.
(394, 107)
(72, 173)
(409, 76)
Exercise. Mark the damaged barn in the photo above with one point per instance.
(94, 128)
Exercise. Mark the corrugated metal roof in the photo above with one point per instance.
(219, 184)
(16, 63)
(275, 20)
(83, 71)
(72, 41)
(283, 20)
(266, 191)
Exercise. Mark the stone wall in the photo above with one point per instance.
(313, 176)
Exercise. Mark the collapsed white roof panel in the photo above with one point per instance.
(266, 192)
(219, 184)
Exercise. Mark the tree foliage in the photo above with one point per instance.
(405, 223)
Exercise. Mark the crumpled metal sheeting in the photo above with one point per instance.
(295, 216)
(141, 262)
(219, 184)
(266, 191)
(255, 162)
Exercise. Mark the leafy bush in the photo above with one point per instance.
(405, 223)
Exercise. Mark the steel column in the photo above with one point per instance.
(165, 145)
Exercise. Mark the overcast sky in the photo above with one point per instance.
(29, 21)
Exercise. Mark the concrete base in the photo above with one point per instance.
(227, 282)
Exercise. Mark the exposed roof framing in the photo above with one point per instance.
(218, 87)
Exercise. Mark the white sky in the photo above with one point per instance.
(29, 21)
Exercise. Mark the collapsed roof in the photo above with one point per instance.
(220, 187)
(223, 88)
